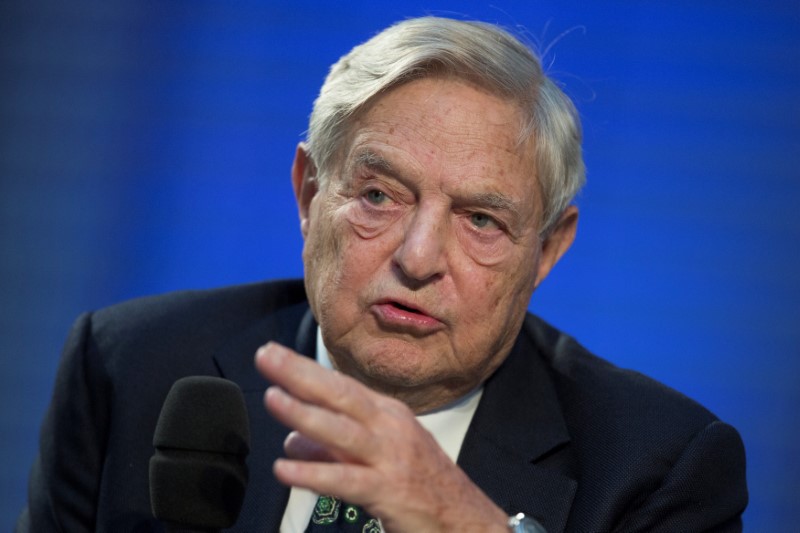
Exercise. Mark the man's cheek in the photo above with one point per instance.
(322, 252)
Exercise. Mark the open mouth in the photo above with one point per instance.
(395, 315)
(405, 308)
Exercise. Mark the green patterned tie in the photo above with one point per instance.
(331, 515)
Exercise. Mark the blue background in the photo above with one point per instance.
(146, 146)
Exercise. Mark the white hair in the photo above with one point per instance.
(481, 53)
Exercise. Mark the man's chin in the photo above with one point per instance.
(392, 370)
(388, 366)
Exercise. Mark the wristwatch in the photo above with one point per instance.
(519, 523)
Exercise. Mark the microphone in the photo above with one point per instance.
(198, 473)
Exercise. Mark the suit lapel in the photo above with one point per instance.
(517, 447)
(266, 498)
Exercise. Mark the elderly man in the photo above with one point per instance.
(434, 196)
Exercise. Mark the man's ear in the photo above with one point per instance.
(305, 184)
(558, 242)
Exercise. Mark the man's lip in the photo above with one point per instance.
(402, 314)
(403, 304)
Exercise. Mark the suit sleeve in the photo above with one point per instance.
(65, 477)
(705, 490)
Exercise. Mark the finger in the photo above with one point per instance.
(302, 448)
(310, 382)
(354, 483)
(298, 375)
(346, 438)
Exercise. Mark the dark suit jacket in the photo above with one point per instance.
(559, 434)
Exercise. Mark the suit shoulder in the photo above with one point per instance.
(614, 401)
(640, 449)
(207, 304)
(192, 314)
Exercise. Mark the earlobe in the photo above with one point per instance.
(304, 183)
(558, 242)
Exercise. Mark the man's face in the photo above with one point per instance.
(422, 250)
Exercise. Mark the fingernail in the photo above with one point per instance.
(268, 349)
(262, 351)
(275, 395)
(284, 466)
(292, 436)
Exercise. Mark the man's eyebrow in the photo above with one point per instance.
(372, 160)
(495, 201)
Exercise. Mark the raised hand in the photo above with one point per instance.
(368, 449)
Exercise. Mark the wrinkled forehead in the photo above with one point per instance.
(436, 77)
(430, 108)
(509, 129)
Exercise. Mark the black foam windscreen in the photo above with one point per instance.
(198, 473)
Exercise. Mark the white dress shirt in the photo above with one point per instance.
(448, 425)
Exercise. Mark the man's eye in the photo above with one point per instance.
(482, 221)
(376, 197)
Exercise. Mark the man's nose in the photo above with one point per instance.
(421, 254)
